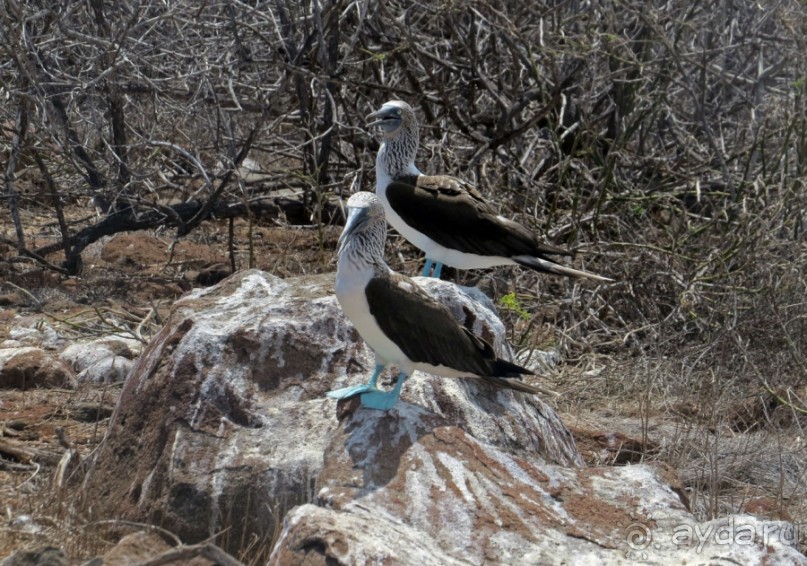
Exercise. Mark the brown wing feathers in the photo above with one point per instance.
(454, 215)
(426, 331)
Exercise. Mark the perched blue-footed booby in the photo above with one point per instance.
(446, 217)
(403, 325)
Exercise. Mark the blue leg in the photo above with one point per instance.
(438, 267)
(427, 267)
(346, 392)
(383, 400)
(374, 379)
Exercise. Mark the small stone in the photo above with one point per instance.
(45, 556)
(212, 274)
(29, 368)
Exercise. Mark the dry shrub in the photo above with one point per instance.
(663, 140)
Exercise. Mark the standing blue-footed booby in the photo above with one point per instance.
(446, 217)
(403, 325)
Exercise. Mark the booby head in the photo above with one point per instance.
(392, 116)
(399, 147)
(365, 213)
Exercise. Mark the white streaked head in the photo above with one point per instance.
(365, 223)
(397, 154)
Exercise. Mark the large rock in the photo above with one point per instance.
(405, 489)
(224, 417)
(223, 426)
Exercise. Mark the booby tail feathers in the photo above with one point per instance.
(546, 266)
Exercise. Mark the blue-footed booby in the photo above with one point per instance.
(404, 325)
(446, 217)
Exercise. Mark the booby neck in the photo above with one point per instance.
(396, 156)
(357, 257)
(361, 249)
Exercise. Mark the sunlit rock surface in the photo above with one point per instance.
(223, 427)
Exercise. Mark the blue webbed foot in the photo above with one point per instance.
(383, 400)
(347, 392)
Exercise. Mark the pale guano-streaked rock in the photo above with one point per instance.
(224, 417)
(405, 489)
(105, 360)
(33, 330)
(223, 426)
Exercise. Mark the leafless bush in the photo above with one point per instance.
(664, 140)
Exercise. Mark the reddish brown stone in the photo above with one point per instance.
(28, 368)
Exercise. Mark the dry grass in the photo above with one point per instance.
(41, 507)
(734, 447)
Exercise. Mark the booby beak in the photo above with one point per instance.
(356, 218)
(388, 117)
